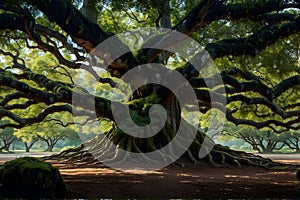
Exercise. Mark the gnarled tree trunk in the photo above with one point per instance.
(188, 145)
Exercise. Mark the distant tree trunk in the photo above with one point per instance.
(6, 148)
(293, 143)
(27, 148)
(256, 148)
(51, 142)
(29, 145)
(7, 144)
(267, 151)
(50, 147)
(2, 148)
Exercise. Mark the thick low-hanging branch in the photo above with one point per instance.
(275, 108)
(25, 105)
(11, 97)
(61, 95)
(22, 122)
(22, 25)
(61, 38)
(252, 85)
(255, 43)
(263, 124)
(83, 32)
(208, 11)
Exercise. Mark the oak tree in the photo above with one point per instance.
(255, 45)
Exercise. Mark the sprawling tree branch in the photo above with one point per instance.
(275, 24)
(259, 125)
(255, 43)
(210, 10)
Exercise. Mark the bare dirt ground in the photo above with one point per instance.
(201, 181)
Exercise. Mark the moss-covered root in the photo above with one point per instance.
(30, 178)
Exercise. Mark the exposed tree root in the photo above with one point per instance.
(99, 150)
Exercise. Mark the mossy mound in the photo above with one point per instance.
(29, 177)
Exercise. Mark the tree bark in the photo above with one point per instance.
(219, 155)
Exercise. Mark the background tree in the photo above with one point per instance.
(263, 141)
(51, 134)
(17, 145)
(6, 138)
(292, 140)
(254, 43)
(28, 136)
(51, 131)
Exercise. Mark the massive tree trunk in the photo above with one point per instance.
(189, 145)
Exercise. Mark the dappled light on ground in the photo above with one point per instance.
(192, 181)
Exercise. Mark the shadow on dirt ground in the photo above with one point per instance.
(192, 181)
(200, 181)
